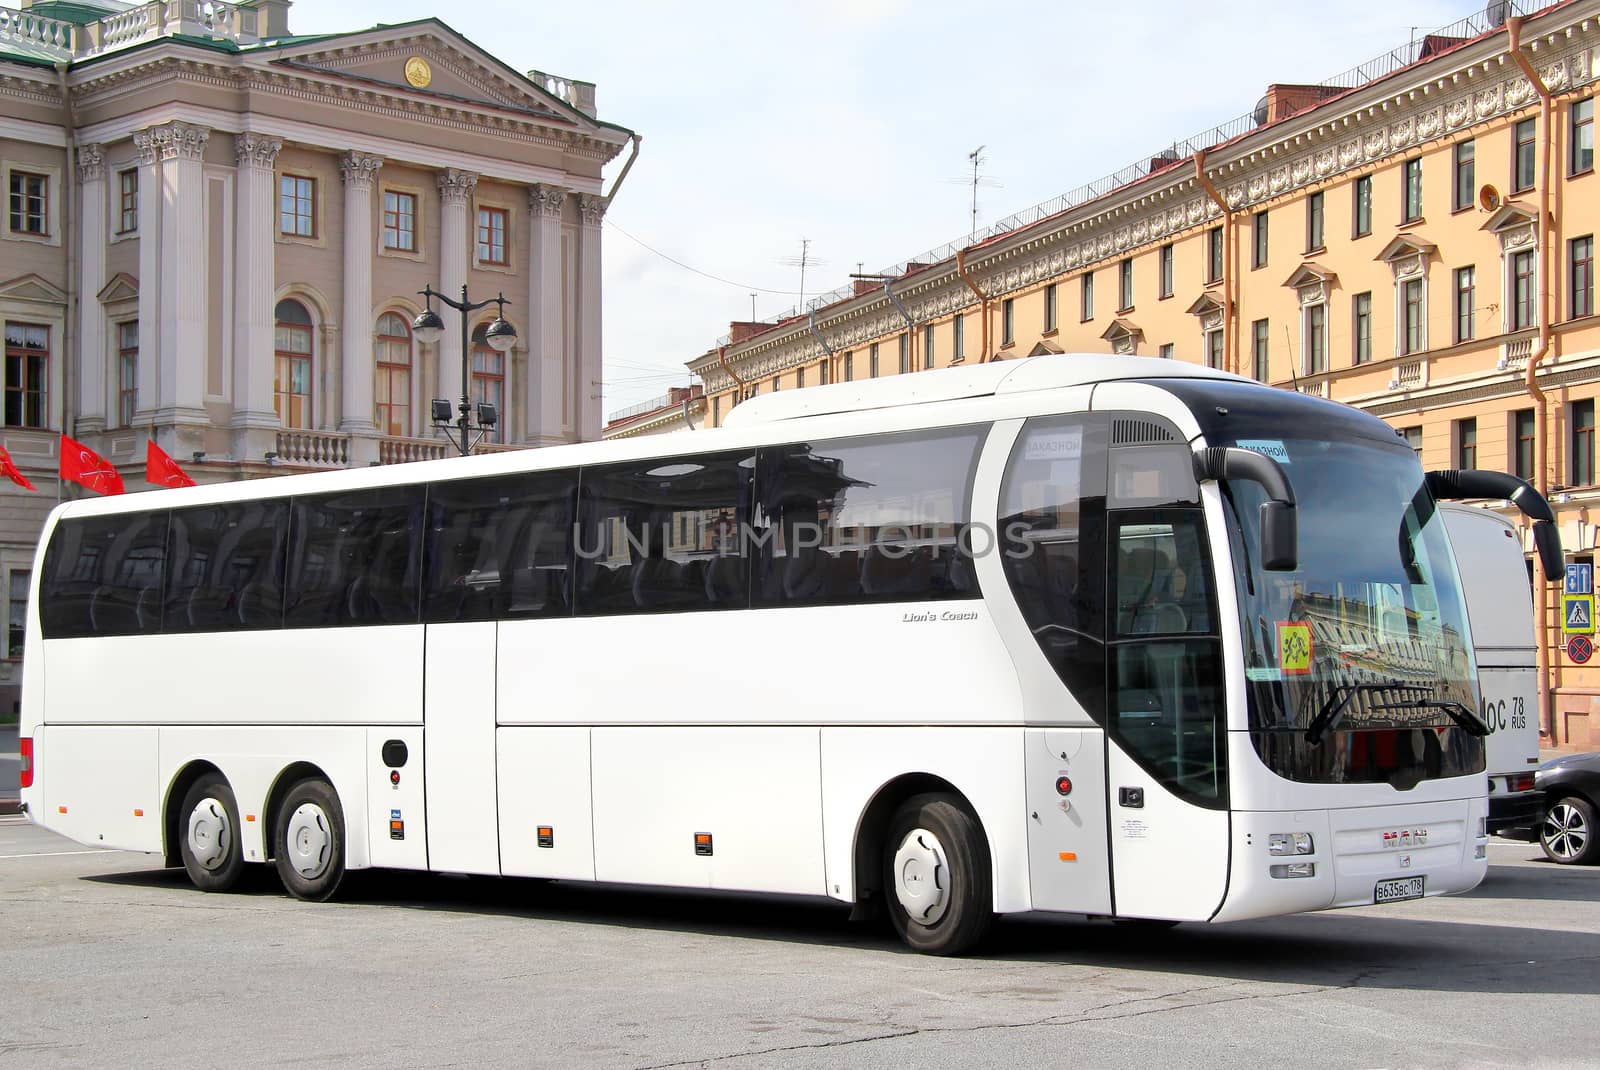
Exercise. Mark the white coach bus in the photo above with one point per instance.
(1033, 636)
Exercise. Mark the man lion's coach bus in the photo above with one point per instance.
(1107, 636)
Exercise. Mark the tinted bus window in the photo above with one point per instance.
(875, 519)
(103, 576)
(354, 558)
(225, 567)
(665, 534)
(499, 548)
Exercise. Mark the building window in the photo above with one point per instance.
(1258, 349)
(297, 206)
(492, 224)
(1580, 269)
(905, 353)
(1467, 443)
(872, 361)
(1413, 336)
(1214, 255)
(1466, 187)
(777, 382)
(489, 380)
(1583, 443)
(849, 367)
(1088, 298)
(1581, 137)
(400, 221)
(1522, 157)
(755, 389)
(799, 379)
(1316, 323)
(27, 373)
(927, 346)
(1314, 218)
(1522, 443)
(1363, 206)
(30, 203)
(958, 338)
(1413, 437)
(1466, 299)
(1411, 205)
(1166, 271)
(716, 411)
(1008, 322)
(128, 201)
(1258, 234)
(1214, 349)
(127, 372)
(291, 387)
(825, 372)
(1050, 308)
(1361, 329)
(392, 391)
(16, 612)
(1125, 286)
(1166, 351)
(1523, 312)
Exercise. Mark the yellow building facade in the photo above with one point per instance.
(1410, 240)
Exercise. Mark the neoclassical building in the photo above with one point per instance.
(1414, 237)
(216, 232)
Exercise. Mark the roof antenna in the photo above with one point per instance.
(976, 156)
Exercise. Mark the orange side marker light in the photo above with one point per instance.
(1069, 856)
(138, 813)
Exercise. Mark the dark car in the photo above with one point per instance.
(1571, 787)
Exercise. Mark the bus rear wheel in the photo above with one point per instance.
(309, 841)
(937, 879)
(209, 832)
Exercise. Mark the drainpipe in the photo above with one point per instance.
(911, 325)
(69, 333)
(722, 358)
(626, 167)
(983, 302)
(811, 321)
(1228, 280)
(1541, 420)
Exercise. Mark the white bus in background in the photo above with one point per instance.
(1032, 636)
(1494, 575)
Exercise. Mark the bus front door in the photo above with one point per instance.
(459, 749)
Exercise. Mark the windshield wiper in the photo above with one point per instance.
(1457, 712)
(1340, 696)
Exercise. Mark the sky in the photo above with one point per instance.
(849, 123)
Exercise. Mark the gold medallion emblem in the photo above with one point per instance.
(418, 73)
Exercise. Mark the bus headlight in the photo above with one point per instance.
(1294, 869)
(1289, 843)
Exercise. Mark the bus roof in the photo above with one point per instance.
(951, 384)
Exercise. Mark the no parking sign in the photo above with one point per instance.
(1580, 648)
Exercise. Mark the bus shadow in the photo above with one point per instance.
(1334, 950)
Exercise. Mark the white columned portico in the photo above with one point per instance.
(545, 392)
(255, 421)
(591, 209)
(356, 412)
(150, 333)
(92, 393)
(455, 195)
(182, 388)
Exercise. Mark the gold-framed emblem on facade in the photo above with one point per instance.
(418, 73)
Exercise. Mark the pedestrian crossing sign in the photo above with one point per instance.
(1577, 614)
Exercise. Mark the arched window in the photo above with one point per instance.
(291, 381)
(489, 380)
(392, 392)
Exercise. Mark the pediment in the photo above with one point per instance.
(1205, 305)
(1509, 217)
(122, 287)
(1045, 347)
(1310, 274)
(33, 288)
(1406, 245)
(1120, 329)
(458, 71)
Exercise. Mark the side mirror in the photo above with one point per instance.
(1280, 536)
(1547, 539)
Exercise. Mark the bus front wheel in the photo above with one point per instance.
(309, 847)
(210, 835)
(937, 879)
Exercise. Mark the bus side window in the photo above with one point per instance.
(103, 576)
(499, 548)
(225, 567)
(355, 558)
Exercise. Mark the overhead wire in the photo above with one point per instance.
(747, 287)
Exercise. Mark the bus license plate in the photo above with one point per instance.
(1397, 891)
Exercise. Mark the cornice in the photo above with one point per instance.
(1571, 370)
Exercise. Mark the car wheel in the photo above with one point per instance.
(1567, 835)
(308, 843)
(208, 831)
(937, 876)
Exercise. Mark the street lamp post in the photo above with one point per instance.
(500, 335)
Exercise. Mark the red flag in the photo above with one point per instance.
(162, 470)
(9, 470)
(80, 464)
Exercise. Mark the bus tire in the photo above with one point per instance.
(1568, 832)
(208, 835)
(308, 846)
(938, 886)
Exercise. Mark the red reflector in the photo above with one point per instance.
(1063, 786)
(1522, 783)
(25, 750)
(394, 776)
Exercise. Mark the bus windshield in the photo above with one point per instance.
(1358, 663)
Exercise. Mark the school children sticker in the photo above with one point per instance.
(1294, 647)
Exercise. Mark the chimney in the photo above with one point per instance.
(1285, 100)
(739, 331)
(914, 266)
(271, 17)
(866, 286)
